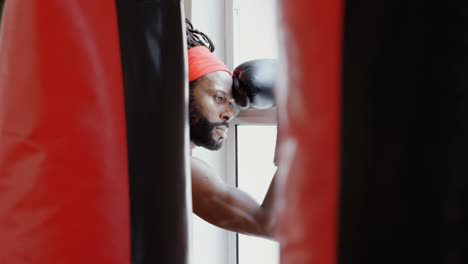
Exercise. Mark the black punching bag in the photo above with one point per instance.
(153, 58)
(404, 183)
(1, 10)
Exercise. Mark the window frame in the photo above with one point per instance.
(250, 117)
(231, 32)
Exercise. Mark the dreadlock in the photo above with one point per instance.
(197, 38)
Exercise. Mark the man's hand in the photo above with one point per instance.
(228, 207)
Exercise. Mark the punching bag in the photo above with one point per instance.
(404, 181)
(308, 130)
(63, 155)
(1, 9)
(378, 171)
(152, 38)
(93, 133)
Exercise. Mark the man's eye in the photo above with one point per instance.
(219, 99)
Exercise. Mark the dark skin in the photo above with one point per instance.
(213, 200)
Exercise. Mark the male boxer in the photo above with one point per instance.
(216, 97)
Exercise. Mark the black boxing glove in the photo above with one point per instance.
(253, 83)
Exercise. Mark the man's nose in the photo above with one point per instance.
(226, 116)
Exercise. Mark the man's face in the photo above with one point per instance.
(211, 109)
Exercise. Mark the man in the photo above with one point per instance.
(211, 108)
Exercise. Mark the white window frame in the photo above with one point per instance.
(251, 117)
(231, 32)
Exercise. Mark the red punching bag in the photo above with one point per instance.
(63, 162)
(308, 122)
(373, 132)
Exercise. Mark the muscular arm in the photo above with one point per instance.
(229, 207)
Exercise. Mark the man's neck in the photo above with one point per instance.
(192, 146)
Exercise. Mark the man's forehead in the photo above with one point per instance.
(218, 82)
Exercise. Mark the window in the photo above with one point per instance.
(255, 169)
(252, 147)
(251, 33)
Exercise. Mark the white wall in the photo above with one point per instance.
(209, 242)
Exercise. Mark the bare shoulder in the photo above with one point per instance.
(199, 164)
(203, 176)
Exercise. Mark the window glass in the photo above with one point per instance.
(258, 30)
(255, 169)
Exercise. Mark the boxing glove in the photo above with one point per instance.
(253, 83)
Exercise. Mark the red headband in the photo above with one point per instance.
(201, 62)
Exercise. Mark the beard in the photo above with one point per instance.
(201, 129)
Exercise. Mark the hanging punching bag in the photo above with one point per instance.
(1, 9)
(70, 122)
(63, 163)
(404, 181)
(308, 123)
(383, 90)
(156, 91)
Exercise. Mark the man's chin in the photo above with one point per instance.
(214, 145)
